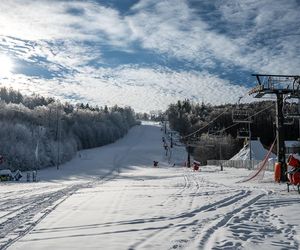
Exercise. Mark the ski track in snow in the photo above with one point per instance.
(204, 222)
(21, 219)
(149, 208)
(189, 220)
(23, 214)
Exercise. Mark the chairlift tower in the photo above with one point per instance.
(191, 143)
(219, 133)
(282, 86)
(242, 116)
(170, 135)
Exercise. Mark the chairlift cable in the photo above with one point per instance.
(189, 135)
(235, 124)
(205, 126)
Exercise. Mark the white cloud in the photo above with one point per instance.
(174, 28)
(270, 31)
(169, 27)
(47, 30)
(142, 88)
(50, 20)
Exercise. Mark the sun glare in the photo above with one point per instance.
(6, 65)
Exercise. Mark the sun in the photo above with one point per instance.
(6, 65)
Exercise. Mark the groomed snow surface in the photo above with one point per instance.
(113, 198)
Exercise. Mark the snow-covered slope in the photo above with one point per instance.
(113, 198)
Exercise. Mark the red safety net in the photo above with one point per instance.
(259, 171)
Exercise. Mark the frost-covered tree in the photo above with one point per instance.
(38, 132)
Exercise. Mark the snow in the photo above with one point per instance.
(113, 198)
(258, 152)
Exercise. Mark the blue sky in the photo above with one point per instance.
(147, 54)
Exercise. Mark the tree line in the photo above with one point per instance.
(187, 117)
(38, 132)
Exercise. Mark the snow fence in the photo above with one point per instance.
(241, 164)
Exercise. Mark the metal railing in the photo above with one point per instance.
(241, 164)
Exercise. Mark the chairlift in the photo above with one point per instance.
(199, 144)
(216, 131)
(295, 115)
(193, 140)
(213, 130)
(243, 133)
(288, 121)
(240, 115)
(296, 84)
(291, 108)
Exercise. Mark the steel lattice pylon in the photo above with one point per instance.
(283, 86)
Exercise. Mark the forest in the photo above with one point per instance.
(38, 132)
(187, 118)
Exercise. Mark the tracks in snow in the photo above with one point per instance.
(261, 224)
(200, 217)
(234, 218)
(23, 214)
(194, 216)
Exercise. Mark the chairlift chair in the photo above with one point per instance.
(240, 116)
(213, 130)
(216, 131)
(243, 133)
(295, 115)
(288, 121)
(291, 108)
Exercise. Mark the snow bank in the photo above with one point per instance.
(258, 152)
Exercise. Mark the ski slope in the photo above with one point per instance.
(113, 198)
